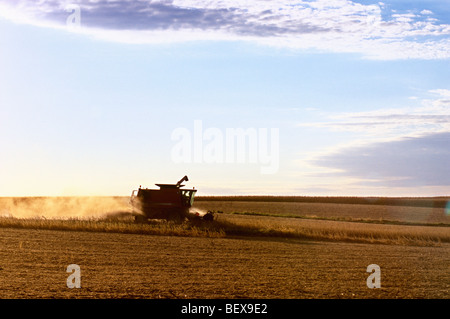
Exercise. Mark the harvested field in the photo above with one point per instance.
(256, 252)
(33, 265)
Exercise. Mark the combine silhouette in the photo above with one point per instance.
(170, 202)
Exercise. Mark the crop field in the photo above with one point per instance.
(254, 249)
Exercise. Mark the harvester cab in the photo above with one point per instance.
(170, 202)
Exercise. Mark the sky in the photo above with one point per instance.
(323, 98)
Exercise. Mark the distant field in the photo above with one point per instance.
(422, 211)
(438, 202)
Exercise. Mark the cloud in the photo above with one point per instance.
(426, 12)
(323, 25)
(405, 147)
(408, 162)
(441, 92)
(432, 116)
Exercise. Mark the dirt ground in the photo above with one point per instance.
(33, 265)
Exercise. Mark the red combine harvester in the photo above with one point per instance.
(170, 202)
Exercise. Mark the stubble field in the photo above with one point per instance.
(242, 256)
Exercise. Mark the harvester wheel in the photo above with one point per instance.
(209, 217)
(139, 218)
(176, 216)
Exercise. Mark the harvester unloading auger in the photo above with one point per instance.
(170, 202)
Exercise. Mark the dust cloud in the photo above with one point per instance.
(64, 207)
(200, 211)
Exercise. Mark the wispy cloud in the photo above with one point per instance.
(408, 162)
(407, 147)
(324, 25)
(432, 116)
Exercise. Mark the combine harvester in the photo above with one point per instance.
(169, 202)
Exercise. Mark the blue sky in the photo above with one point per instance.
(359, 92)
